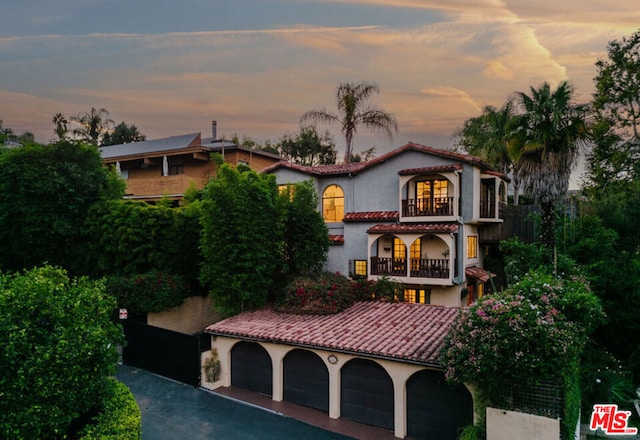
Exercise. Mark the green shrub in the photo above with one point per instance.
(120, 417)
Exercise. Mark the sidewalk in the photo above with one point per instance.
(172, 410)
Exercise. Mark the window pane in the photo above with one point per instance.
(399, 249)
(360, 268)
(333, 204)
(472, 246)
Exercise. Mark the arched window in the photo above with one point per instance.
(333, 204)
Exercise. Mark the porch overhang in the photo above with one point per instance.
(397, 228)
(478, 273)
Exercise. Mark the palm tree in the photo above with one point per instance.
(93, 125)
(62, 126)
(553, 129)
(492, 137)
(355, 109)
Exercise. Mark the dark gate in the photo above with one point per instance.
(306, 380)
(164, 352)
(366, 393)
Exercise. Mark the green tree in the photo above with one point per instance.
(493, 136)
(45, 194)
(355, 110)
(308, 148)
(123, 134)
(93, 125)
(59, 347)
(616, 102)
(241, 239)
(553, 129)
(306, 241)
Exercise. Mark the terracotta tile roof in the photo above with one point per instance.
(408, 228)
(478, 273)
(409, 332)
(336, 239)
(438, 169)
(374, 216)
(356, 167)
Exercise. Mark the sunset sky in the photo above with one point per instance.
(255, 66)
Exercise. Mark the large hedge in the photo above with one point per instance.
(58, 346)
(45, 193)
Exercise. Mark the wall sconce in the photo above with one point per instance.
(333, 359)
(387, 249)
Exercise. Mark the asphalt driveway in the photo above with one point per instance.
(172, 410)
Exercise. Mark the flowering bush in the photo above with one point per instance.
(149, 292)
(327, 293)
(522, 335)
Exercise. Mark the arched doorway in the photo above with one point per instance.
(434, 408)
(306, 380)
(366, 393)
(251, 368)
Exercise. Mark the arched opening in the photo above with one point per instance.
(366, 393)
(434, 408)
(333, 204)
(251, 368)
(306, 380)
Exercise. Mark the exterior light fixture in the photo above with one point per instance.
(333, 359)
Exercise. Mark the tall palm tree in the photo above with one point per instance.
(93, 125)
(354, 110)
(553, 129)
(62, 126)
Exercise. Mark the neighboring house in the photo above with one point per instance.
(167, 167)
(414, 215)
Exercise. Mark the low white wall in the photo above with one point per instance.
(192, 316)
(509, 425)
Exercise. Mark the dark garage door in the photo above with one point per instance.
(436, 410)
(366, 393)
(306, 380)
(251, 368)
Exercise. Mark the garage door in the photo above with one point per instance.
(306, 380)
(436, 409)
(251, 368)
(366, 393)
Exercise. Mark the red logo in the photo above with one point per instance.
(610, 420)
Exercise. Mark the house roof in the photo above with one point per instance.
(373, 216)
(408, 228)
(438, 169)
(176, 144)
(402, 331)
(357, 167)
(478, 273)
(336, 239)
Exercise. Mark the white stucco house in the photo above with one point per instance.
(412, 214)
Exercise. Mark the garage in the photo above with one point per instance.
(366, 393)
(434, 408)
(306, 380)
(251, 368)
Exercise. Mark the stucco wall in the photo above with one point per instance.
(509, 425)
(190, 317)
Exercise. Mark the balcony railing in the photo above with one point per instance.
(437, 206)
(418, 267)
(161, 185)
(488, 209)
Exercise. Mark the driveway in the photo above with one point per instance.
(172, 410)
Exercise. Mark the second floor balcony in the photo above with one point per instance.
(428, 207)
(418, 267)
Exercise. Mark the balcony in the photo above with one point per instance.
(418, 267)
(432, 207)
(488, 209)
(162, 185)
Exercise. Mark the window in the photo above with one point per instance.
(399, 249)
(124, 174)
(359, 269)
(432, 197)
(176, 168)
(333, 204)
(472, 246)
(414, 255)
(420, 296)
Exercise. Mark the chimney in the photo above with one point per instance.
(214, 130)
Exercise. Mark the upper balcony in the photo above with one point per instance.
(161, 186)
(430, 194)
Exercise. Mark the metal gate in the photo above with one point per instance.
(161, 351)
